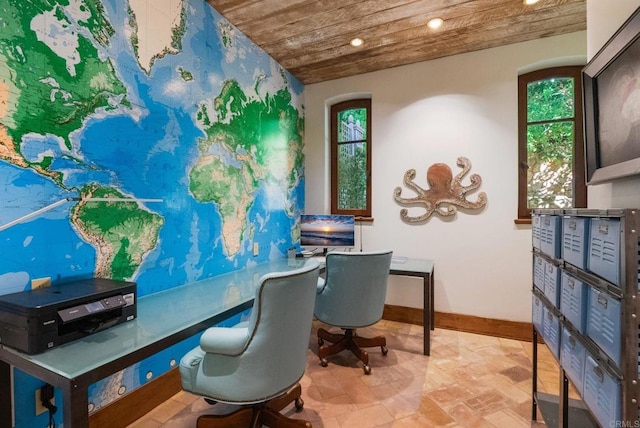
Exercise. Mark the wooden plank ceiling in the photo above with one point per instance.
(310, 38)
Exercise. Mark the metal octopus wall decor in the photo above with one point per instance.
(444, 193)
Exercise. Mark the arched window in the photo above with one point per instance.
(550, 140)
(351, 158)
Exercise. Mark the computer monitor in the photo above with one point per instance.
(327, 231)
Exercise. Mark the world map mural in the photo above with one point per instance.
(163, 138)
(148, 141)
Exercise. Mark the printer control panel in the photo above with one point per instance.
(80, 311)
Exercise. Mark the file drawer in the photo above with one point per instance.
(573, 300)
(537, 313)
(604, 248)
(601, 393)
(552, 283)
(535, 231)
(603, 322)
(550, 235)
(575, 244)
(551, 330)
(538, 272)
(572, 358)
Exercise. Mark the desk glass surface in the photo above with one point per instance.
(159, 315)
(413, 266)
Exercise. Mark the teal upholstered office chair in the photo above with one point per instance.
(352, 296)
(258, 363)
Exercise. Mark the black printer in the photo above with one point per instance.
(36, 320)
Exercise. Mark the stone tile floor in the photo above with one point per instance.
(469, 380)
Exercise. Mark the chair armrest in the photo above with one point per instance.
(225, 341)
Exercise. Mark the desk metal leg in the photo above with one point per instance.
(76, 405)
(6, 404)
(426, 313)
(433, 299)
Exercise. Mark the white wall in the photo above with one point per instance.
(603, 20)
(435, 111)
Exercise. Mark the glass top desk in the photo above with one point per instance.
(163, 319)
(421, 268)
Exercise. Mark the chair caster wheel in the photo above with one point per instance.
(367, 369)
(324, 362)
(299, 404)
(385, 350)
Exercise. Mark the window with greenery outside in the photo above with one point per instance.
(553, 142)
(351, 158)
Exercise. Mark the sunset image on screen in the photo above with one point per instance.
(327, 230)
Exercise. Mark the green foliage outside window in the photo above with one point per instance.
(352, 159)
(354, 120)
(550, 139)
(352, 176)
(550, 99)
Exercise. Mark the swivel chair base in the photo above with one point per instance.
(351, 341)
(257, 415)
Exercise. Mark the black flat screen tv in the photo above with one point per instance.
(327, 231)
(611, 88)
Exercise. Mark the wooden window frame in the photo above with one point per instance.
(335, 108)
(579, 179)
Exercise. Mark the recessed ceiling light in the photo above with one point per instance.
(435, 23)
(356, 42)
(529, 2)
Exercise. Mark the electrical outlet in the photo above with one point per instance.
(40, 409)
(256, 249)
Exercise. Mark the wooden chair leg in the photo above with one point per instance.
(361, 354)
(283, 401)
(324, 351)
(274, 419)
(270, 414)
(329, 337)
(370, 342)
(240, 418)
